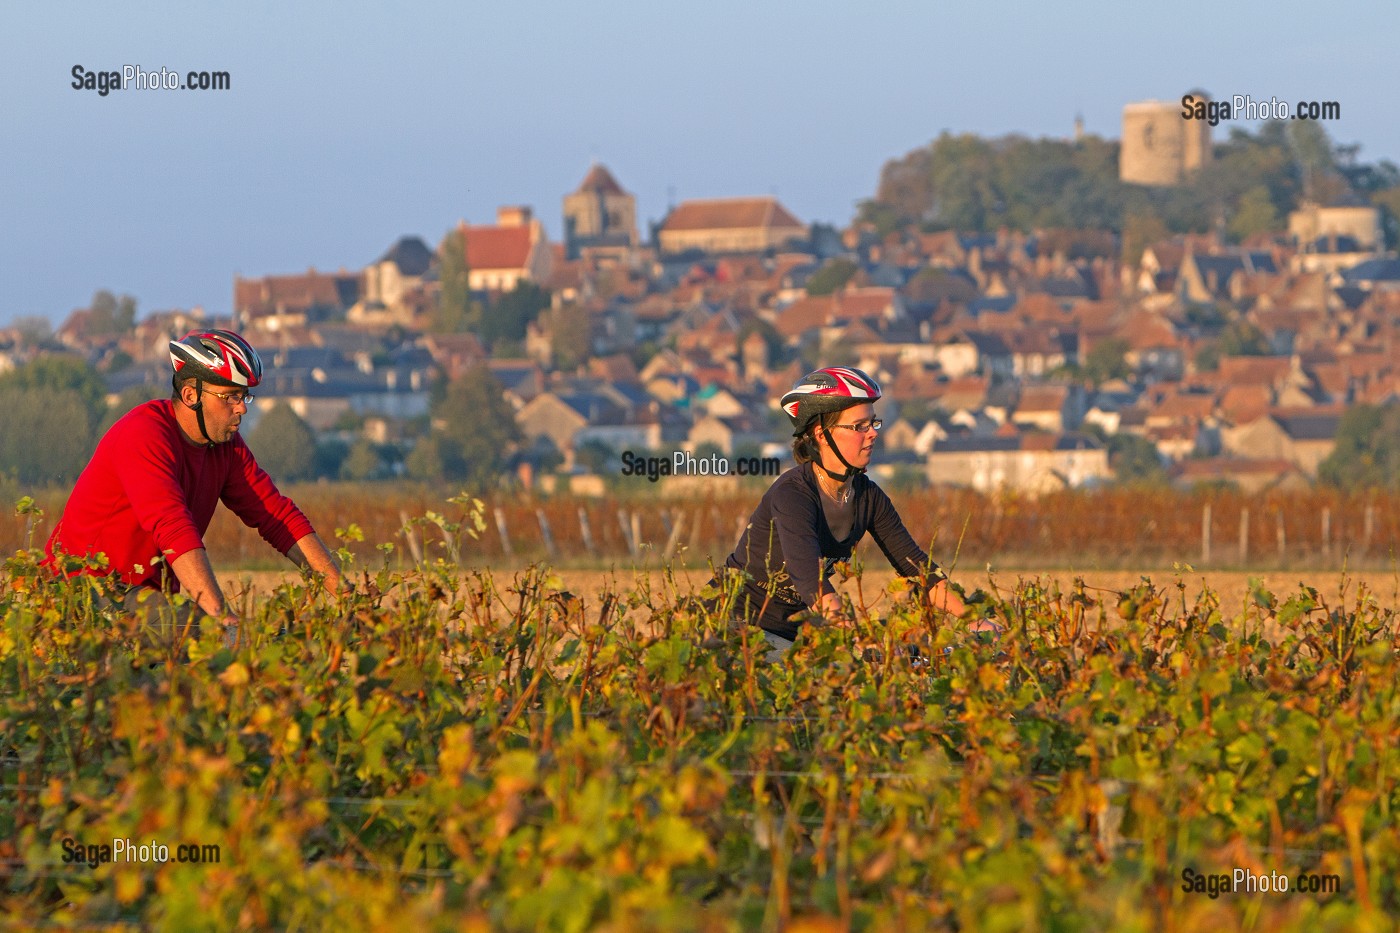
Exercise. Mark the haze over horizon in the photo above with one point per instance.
(347, 127)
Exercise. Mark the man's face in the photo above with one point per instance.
(224, 409)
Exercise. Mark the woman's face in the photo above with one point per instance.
(854, 446)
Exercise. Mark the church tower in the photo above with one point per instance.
(600, 217)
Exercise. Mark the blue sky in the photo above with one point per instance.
(350, 124)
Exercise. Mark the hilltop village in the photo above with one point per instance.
(1016, 360)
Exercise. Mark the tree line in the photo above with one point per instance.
(56, 410)
(966, 182)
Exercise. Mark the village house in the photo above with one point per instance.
(1052, 408)
(323, 397)
(825, 319)
(1028, 463)
(728, 434)
(149, 340)
(729, 225)
(1220, 276)
(549, 416)
(393, 285)
(513, 250)
(1037, 351)
(279, 302)
(899, 434)
(1329, 239)
(967, 352)
(623, 430)
(1303, 438)
(454, 354)
(1155, 351)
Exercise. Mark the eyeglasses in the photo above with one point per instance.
(233, 398)
(863, 427)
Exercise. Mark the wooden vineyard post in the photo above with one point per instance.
(1368, 528)
(1205, 534)
(549, 547)
(586, 531)
(1327, 532)
(412, 537)
(696, 519)
(636, 535)
(627, 532)
(501, 530)
(1282, 537)
(675, 536)
(1244, 536)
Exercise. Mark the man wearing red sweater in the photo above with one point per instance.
(149, 493)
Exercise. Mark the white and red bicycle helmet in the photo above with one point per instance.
(835, 388)
(832, 389)
(220, 357)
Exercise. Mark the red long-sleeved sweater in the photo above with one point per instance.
(148, 491)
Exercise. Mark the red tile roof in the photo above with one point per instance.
(1183, 407)
(1244, 403)
(1040, 307)
(803, 315)
(1042, 398)
(1254, 370)
(1365, 364)
(730, 213)
(493, 247)
(292, 293)
(863, 302)
(1148, 332)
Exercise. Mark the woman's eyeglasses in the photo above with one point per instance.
(863, 427)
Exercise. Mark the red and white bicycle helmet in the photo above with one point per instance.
(832, 389)
(220, 357)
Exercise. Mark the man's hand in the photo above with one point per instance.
(229, 624)
(310, 553)
(197, 581)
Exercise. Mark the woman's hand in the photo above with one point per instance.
(941, 596)
(830, 608)
(984, 626)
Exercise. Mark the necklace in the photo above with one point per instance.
(842, 495)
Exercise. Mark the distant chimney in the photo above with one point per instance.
(513, 215)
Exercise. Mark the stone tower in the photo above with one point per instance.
(600, 216)
(1160, 147)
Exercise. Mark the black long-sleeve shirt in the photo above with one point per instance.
(788, 549)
